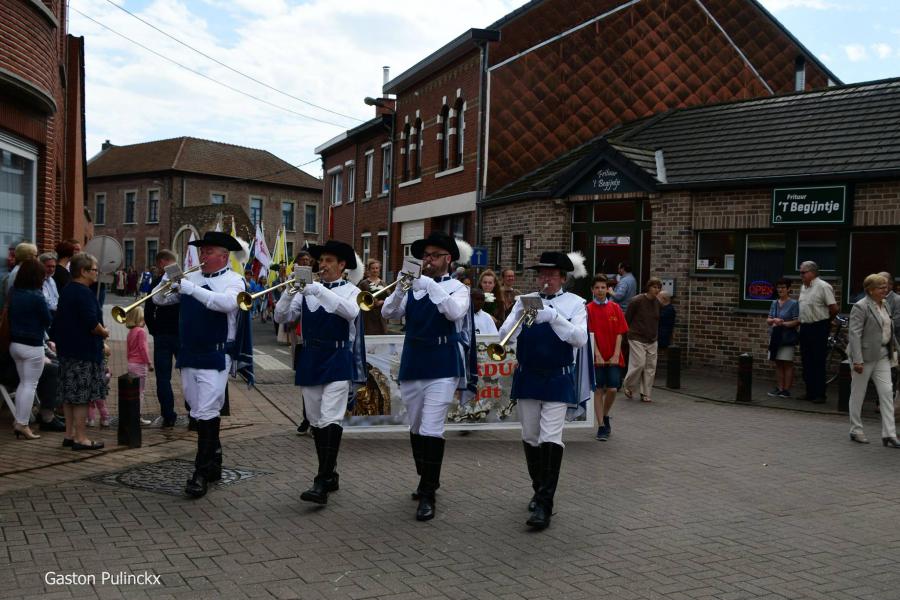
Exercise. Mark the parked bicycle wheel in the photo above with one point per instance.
(836, 355)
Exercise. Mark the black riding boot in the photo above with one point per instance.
(207, 438)
(533, 460)
(432, 459)
(551, 460)
(214, 473)
(328, 443)
(416, 442)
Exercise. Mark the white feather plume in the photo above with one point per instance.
(577, 259)
(356, 275)
(244, 253)
(465, 252)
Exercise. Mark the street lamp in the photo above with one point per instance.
(380, 103)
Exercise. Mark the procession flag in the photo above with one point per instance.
(279, 256)
(261, 252)
(191, 256)
(236, 265)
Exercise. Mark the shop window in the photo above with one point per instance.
(764, 265)
(819, 246)
(715, 251)
(871, 252)
(610, 251)
(581, 213)
(605, 212)
(581, 242)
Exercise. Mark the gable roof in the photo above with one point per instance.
(206, 157)
(846, 132)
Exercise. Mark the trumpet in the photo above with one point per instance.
(530, 304)
(297, 283)
(411, 271)
(119, 313)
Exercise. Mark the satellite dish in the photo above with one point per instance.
(108, 253)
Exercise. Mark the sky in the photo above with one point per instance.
(314, 61)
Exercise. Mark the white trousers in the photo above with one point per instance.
(29, 365)
(427, 402)
(880, 373)
(641, 367)
(542, 421)
(204, 390)
(326, 404)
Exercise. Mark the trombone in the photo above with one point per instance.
(530, 304)
(120, 312)
(297, 283)
(411, 271)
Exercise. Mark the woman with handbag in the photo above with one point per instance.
(784, 317)
(873, 350)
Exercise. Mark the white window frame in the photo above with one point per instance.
(370, 167)
(158, 199)
(262, 204)
(366, 247)
(125, 207)
(382, 243)
(336, 176)
(97, 196)
(25, 150)
(215, 193)
(387, 150)
(351, 181)
(293, 214)
(316, 206)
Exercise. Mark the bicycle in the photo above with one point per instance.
(836, 350)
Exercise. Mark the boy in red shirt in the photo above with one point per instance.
(607, 323)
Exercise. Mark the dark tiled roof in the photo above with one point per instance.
(192, 155)
(851, 131)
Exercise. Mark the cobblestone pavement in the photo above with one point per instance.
(689, 499)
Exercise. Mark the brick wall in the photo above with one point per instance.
(877, 204)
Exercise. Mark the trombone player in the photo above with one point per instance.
(208, 345)
(330, 355)
(545, 380)
(436, 353)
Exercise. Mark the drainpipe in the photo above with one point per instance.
(482, 117)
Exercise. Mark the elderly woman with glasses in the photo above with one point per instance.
(79, 333)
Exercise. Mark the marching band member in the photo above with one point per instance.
(437, 355)
(544, 383)
(208, 330)
(331, 353)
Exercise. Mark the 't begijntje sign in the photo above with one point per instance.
(792, 206)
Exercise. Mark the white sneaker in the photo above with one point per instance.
(92, 422)
(145, 422)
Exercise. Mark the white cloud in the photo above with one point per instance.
(883, 50)
(856, 52)
(781, 5)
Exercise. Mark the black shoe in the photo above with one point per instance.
(891, 442)
(318, 493)
(91, 446)
(192, 424)
(425, 510)
(196, 486)
(303, 429)
(55, 424)
(540, 518)
(168, 424)
(67, 442)
(532, 503)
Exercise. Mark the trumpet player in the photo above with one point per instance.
(436, 351)
(544, 382)
(208, 327)
(331, 354)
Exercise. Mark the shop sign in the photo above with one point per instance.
(810, 205)
(605, 179)
(760, 290)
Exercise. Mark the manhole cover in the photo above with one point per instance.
(169, 477)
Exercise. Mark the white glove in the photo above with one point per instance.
(186, 287)
(421, 283)
(313, 289)
(545, 315)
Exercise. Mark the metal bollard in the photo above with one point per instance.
(745, 378)
(673, 368)
(844, 378)
(129, 411)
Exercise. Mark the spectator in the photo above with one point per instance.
(162, 323)
(263, 307)
(872, 347)
(493, 305)
(508, 289)
(666, 320)
(373, 322)
(131, 282)
(51, 294)
(626, 288)
(24, 251)
(817, 309)
(607, 323)
(146, 282)
(79, 333)
(65, 250)
(893, 302)
(484, 323)
(119, 280)
(138, 352)
(29, 319)
(783, 320)
(642, 317)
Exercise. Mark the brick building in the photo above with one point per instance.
(42, 155)
(497, 103)
(733, 196)
(153, 195)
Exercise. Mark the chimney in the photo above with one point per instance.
(386, 74)
(105, 145)
(661, 167)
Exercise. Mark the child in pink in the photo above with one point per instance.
(139, 362)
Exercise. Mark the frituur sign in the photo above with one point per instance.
(810, 205)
